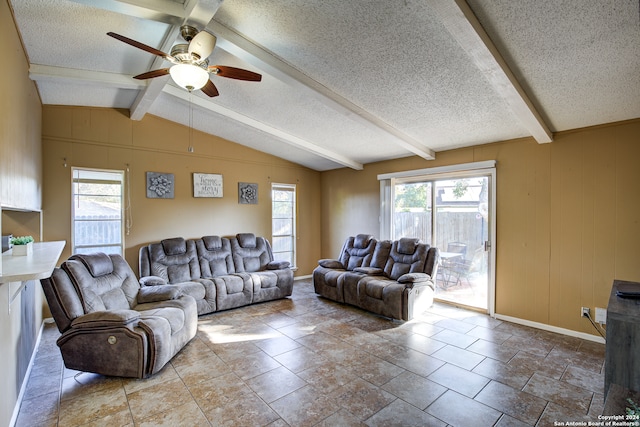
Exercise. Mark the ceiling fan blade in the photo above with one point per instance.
(201, 45)
(210, 89)
(152, 74)
(139, 45)
(235, 73)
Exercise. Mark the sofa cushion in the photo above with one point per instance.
(370, 271)
(264, 279)
(98, 264)
(212, 242)
(158, 293)
(407, 245)
(247, 240)
(330, 263)
(112, 291)
(357, 251)
(375, 288)
(174, 260)
(413, 278)
(278, 265)
(381, 254)
(179, 273)
(233, 284)
(400, 263)
(106, 319)
(250, 253)
(382, 296)
(234, 290)
(195, 289)
(361, 241)
(152, 281)
(174, 246)
(173, 316)
(214, 255)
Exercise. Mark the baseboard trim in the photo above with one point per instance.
(25, 381)
(308, 276)
(550, 328)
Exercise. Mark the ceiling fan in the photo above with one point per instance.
(191, 68)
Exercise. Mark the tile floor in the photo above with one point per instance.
(306, 361)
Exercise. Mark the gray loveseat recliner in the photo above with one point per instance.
(391, 278)
(111, 325)
(220, 273)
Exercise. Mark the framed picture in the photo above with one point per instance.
(207, 185)
(247, 193)
(160, 185)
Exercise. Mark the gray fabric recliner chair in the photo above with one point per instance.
(110, 325)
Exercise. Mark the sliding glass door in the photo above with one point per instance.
(462, 235)
(452, 212)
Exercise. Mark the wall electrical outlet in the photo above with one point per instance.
(601, 315)
(584, 312)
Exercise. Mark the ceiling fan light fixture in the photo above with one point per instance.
(201, 46)
(189, 76)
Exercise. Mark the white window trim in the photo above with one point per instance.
(122, 204)
(488, 164)
(293, 187)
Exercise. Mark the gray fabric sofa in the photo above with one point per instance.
(218, 272)
(111, 325)
(391, 278)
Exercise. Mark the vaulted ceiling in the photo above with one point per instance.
(346, 83)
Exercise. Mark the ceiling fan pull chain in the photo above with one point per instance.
(190, 149)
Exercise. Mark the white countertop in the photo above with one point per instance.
(38, 265)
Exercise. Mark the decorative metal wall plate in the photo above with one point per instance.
(160, 185)
(247, 193)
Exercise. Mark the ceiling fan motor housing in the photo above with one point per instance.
(188, 32)
(181, 52)
(200, 43)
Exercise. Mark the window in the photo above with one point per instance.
(97, 211)
(283, 225)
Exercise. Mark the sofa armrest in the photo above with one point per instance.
(152, 281)
(278, 265)
(158, 293)
(330, 263)
(413, 278)
(101, 319)
(369, 271)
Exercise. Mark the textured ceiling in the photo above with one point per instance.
(346, 83)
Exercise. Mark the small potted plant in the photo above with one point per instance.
(22, 245)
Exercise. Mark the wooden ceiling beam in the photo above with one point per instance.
(463, 25)
(286, 137)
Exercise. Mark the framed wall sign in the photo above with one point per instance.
(207, 185)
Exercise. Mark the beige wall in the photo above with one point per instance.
(568, 217)
(107, 139)
(20, 181)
